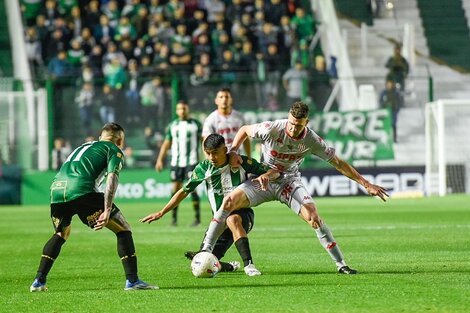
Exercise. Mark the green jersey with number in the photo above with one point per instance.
(85, 169)
(220, 181)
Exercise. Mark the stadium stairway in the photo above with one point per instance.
(370, 69)
(447, 31)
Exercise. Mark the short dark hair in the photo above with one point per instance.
(299, 110)
(225, 89)
(213, 141)
(112, 128)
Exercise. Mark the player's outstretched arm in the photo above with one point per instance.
(174, 202)
(240, 137)
(347, 170)
(112, 182)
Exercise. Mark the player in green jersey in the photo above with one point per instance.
(74, 190)
(220, 180)
(183, 137)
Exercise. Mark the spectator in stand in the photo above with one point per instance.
(202, 46)
(132, 93)
(75, 55)
(228, 69)
(50, 12)
(154, 141)
(141, 21)
(74, 21)
(30, 9)
(59, 153)
(65, 7)
(267, 36)
(276, 10)
(201, 29)
(33, 46)
(54, 43)
(116, 77)
(287, 33)
(152, 97)
(162, 59)
(156, 6)
(103, 32)
(87, 40)
(59, 66)
(131, 8)
(95, 60)
(234, 10)
(292, 6)
(222, 44)
(112, 52)
(398, 68)
(85, 100)
(127, 48)
(180, 57)
(304, 25)
(199, 76)
(87, 75)
(390, 98)
(272, 66)
(125, 30)
(301, 53)
(92, 14)
(247, 57)
(213, 7)
(295, 82)
(112, 11)
(107, 105)
(320, 86)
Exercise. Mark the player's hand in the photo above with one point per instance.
(102, 220)
(263, 180)
(151, 217)
(376, 190)
(158, 165)
(235, 159)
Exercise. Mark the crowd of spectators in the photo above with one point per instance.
(132, 47)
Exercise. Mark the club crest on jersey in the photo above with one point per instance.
(119, 155)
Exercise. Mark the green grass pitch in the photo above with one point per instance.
(413, 255)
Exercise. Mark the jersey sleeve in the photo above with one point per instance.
(321, 149)
(252, 166)
(208, 127)
(115, 161)
(196, 178)
(168, 132)
(262, 130)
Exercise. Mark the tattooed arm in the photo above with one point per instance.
(112, 183)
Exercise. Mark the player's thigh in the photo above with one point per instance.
(294, 194)
(90, 206)
(249, 194)
(61, 217)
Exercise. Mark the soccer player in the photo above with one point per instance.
(74, 191)
(225, 120)
(220, 180)
(183, 136)
(285, 143)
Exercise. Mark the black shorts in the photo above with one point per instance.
(88, 208)
(225, 240)
(181, 174)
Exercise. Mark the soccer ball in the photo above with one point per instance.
(205, 265)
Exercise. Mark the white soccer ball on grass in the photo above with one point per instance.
(205, 265)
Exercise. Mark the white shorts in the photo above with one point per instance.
(289, 191)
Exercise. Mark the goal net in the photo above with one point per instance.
(447, 147)
(24, 135)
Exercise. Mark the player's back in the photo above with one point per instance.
(84, 170)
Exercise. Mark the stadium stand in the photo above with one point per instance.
(446, 31)
(6, 65)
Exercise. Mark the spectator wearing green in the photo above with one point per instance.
(304, 25)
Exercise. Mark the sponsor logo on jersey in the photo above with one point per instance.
(285, 156)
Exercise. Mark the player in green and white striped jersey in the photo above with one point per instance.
(220, 180)
(183, 137)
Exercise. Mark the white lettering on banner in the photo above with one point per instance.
(374, 129)
(353, 124)
(354, 149)
(338, 185)
(149, 189)
(156, 190)
(130, 191)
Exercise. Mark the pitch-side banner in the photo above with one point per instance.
(150, 186)
(356, 135)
